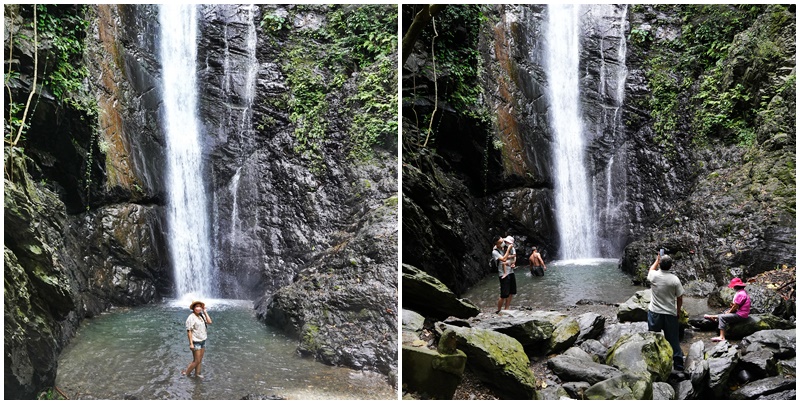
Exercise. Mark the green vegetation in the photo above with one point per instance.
(456, 65)
(357, 42)
(57, 32)
(710, 73)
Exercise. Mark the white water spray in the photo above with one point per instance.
(574, 214)
(187, 217)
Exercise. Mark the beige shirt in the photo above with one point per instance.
(666, 288)
(197, 326)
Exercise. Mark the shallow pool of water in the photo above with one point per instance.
(139, 352)
(563, 284)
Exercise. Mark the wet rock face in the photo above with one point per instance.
(343, 306)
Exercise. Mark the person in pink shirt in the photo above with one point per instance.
(739, 311)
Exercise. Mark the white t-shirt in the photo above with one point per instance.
(666, 288)
(197, 326)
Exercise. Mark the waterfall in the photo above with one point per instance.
(609, 23)
(574, 216)
(187, 216)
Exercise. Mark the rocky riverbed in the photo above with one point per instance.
(589, 350)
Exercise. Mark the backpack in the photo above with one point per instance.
(493, 262)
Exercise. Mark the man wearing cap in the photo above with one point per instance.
(665, 306)
(196, 330)
(505, 270)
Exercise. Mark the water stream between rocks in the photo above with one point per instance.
(138, 353)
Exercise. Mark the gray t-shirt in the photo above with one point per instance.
(498, 254)
(666, 288)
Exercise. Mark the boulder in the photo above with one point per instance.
(412, 321)
(614, 332)
(781, 342)
(759, 364)
(645, 355)
(430, 297)
(596, 349)
(755, 323)
(624, 387)
(578, 353)
(663, 391)
(564, 335)
(432, 374)
(635, 308)
(788, 367)
(576, 390)
(703, 324)
(554, 392)
(758, 388)
(722, 359)
(787, 395)
(531, 329)
(684, 390)
(696, 366)
(496, 359)
(592, 325)
(573, 369)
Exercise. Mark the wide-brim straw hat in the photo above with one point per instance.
(736, 282)
(195, 303)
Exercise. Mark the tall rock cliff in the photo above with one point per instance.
(689, 128)
(84, 209)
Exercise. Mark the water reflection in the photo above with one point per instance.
(139, 353)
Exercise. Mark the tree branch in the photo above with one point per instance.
(420, 21)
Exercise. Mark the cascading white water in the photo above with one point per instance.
(187, 216)
(574, 215)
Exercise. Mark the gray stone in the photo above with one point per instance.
(761, 363)
(663, 391)
(564, 335)
(788, 395)
(531, 329)
(576, 390)
(788, 367)
(758, 388)
(496, 359)
(755, 323)
(430, 297)
(592, 325)
(624, 387)
(635, 308)
(578, 353)
(722, 359)
(412, 321)
(596, 349)
(555, 392)
(781, 342)
(614, 332)
(645, 355)
(432, 374)
(570, 368)
(684, 390)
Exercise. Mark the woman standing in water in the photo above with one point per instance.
(196, 329)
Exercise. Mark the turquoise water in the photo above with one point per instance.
(138, 353)
(563, 284)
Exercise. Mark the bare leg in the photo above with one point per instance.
(500, 303)
(508, 301)
(196, 355)
(199, 360)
